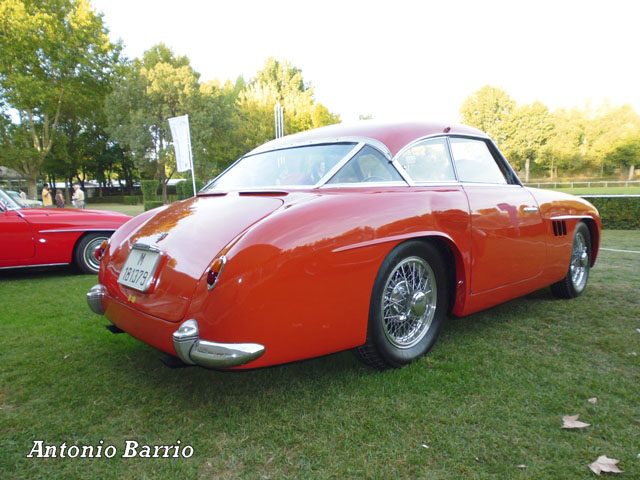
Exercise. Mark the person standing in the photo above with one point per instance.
(23, 195)
(46, 196)
(59, 199)
(78, 196)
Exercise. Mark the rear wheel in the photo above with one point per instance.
(575, 282)
(407, 307)
(84, 253)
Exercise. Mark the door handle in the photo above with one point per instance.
(530, 209)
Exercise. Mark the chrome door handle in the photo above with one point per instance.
(530, 209)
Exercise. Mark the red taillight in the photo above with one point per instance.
(213, 275)
(99, 252)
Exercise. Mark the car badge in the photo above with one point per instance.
(132, 299)
(162, 236)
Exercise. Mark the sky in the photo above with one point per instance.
(398, 59)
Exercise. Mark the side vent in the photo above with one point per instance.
(559, 228)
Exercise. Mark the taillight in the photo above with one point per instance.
(99, 252)
(215, 271)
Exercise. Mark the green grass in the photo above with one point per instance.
(489, 397)
(132, 210)
(598, 190)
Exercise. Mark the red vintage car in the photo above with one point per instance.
(32, 237)
(360, 237)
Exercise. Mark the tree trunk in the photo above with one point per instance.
(527, 164)
(632, 172)
(32, 191)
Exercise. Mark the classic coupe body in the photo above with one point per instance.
(32, 237)
(362, 237)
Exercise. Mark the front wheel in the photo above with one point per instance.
(84, 253)
(408, 304)
(575, 282)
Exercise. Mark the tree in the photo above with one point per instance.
(160, 86)
(55, 55)
(627, 154)
(279, 82)
(528, 130)
(489, 109)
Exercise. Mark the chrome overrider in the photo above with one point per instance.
(188, 345)
(192, 350)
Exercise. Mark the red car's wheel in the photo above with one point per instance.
(408, 304)
(575, 282)
(84, 253)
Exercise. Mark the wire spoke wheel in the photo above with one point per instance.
(579, 262)
(409, 302)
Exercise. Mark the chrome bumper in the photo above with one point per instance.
(193, 351)
(94, 298)
(187, 343)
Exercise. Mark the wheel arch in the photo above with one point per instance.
(594, 233)
(456, 271)
(75, 253)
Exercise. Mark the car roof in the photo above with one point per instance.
(393, 135)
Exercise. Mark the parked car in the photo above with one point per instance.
(49, 236)
(360, 237)
(23, 202)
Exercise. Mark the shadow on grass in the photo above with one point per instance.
(30, 273)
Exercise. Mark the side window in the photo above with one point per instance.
(428, 161)
(474, 162)
(368, 165)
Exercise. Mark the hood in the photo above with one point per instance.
(190, 234)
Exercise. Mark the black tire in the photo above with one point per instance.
(83, 253)
(404, 324)
(575, 282)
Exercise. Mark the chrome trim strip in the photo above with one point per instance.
(194, 351)
(530, 209)
(36, 265)
(144, 246)
(336, 168)
(64, 230)
(319, 141)
(364, 185)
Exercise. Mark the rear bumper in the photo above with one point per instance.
(185, 340)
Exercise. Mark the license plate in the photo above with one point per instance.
(139, 268)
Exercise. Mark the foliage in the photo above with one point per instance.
(278, 82)
(621, 213)
(149, 189)
(160, 86)
(489, 109)
(65, 378)
(56, 60)
(150, 204)
(131, 199)
(534, 139)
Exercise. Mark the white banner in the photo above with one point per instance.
(181, 142)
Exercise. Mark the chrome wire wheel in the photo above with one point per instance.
(579, 268)
(408, 302)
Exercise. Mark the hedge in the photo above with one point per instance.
(152, 204)
(149, 189)
(184, 189)
(109, 199)
(132, 199)
(617, 212)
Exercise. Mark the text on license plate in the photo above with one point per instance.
(139, 268)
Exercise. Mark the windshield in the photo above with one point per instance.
(9, 202)
(292, 167)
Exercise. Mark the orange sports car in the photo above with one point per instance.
(362, 236)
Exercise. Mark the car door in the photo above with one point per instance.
(507, 233)
(16, 237)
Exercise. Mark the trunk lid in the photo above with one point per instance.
(190, 234)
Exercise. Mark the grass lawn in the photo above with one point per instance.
(602, 190)
(132, 210)
(487, 402)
